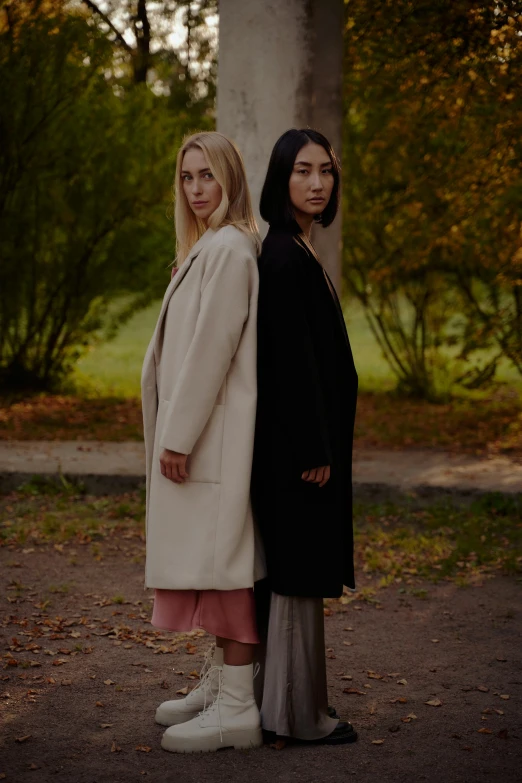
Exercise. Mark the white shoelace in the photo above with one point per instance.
(207, 665)
(217, 697)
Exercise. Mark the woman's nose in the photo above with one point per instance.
(316, 182)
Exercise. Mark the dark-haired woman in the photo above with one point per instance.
(301, 481)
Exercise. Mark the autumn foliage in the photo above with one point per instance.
(433, 164)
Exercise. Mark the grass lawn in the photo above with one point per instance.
(103, 401)
(394, 544)
(113, 369)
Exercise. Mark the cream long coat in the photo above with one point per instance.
(199, 392)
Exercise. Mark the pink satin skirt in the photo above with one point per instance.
(229, 614)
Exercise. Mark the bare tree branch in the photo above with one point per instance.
(121, 40)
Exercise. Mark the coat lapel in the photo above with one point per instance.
(148, 362)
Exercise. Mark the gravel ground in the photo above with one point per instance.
(83, 671)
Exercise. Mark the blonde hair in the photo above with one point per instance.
(226, 164)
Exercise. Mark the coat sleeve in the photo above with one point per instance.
(225, 294)
(288, 363)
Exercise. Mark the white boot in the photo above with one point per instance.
(231, 721)
(169, 713)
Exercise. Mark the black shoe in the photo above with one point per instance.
(332, 713)
(343, 733)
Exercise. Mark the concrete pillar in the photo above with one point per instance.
(280, 67)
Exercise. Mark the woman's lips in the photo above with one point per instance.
(199, 203)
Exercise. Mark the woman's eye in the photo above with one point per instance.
(302, 171)
(208, 175)
(327, 171)
(185, 177)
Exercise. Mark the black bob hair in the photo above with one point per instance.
(275, 205)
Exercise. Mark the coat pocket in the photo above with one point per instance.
(204, 463)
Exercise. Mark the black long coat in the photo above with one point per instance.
(307, 393)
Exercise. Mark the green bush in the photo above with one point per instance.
(86, 166)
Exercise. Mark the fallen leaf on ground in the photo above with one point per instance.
(354, 690)
(435, 641)
(183, 691)
(434, 702)
(374, 676)
(115, 748)
(278, 744)
(483, 688)
(108, 682)
(484, 731)
(66, 682)
(106, 725)
(377, 742)
(504, 696)
(24, 738)
(501, 659)
(346, 677)
(99, 704)
(191, 648)
(402, 682)
(143, 748)
(400, 700)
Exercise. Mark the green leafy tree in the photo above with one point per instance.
(85, 174)
(433, 165)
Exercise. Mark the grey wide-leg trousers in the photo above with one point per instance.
(290, 688)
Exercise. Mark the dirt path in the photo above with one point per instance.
(105, 467)
(83, 670)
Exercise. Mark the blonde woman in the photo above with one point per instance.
(199, 405)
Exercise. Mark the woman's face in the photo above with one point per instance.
(311, 181)
(202, 191)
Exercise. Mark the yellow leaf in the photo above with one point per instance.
(434, 702)
(377, 742)
(183, 691)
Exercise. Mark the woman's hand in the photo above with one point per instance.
(317, 475)
(174, 466)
